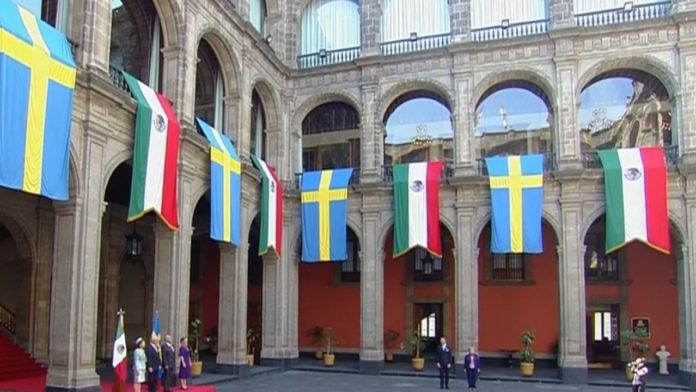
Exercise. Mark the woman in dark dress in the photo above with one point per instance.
(185, 358)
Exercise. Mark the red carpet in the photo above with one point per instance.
(38, 384)
(15, 363)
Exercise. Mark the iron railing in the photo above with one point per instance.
(549, 164)
(327, 57)
(623, 15)
(511, 30)
(388, 172)
(354, 179)
(8, 320)
(590, 159)
(415, 44)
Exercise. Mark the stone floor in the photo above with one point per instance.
(305, 381)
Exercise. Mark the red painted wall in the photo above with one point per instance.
(322, 304)
(506, 311)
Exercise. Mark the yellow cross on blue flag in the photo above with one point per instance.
(225, 186)
(37, 81)
(517, 197)
(324, 209)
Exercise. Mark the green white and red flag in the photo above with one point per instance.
(120, 354)
(155, 155)
(635, 182)
(271, 208)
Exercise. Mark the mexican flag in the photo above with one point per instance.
(417, 207)
(155, 155)
(271, 208)
(635, 182)
(120, 353)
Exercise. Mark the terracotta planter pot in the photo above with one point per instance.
(196, 368)
(250, 359)
(418, 363)
(527, 369)
(329, 360)
(318, 354)
(390, 357)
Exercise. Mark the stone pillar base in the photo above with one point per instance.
(235, 370)
(283, 364)
(573, 375)
(85, 389)
(687, 379)
(371, 367)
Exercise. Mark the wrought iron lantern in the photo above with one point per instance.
(134, 245)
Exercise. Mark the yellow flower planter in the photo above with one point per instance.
(250, 359)
(329, 360)
(196, 368)
(527, 369)
(390, 357)
(418, 363)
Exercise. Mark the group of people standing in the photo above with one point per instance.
(150, 366)
(445, 360)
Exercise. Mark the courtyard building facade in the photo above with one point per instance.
(365, 84)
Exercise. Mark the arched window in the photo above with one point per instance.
(412, 21)
(513, 118)
(418, 129)
(257, 16)
(331, 137)
(209, 87)
(258, 126)
(623, 109)
(330, 32)
(497, 19)
(53, 12)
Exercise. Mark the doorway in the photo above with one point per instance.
(603, 340)
(428, 319)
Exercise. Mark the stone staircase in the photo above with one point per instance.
(15, 363)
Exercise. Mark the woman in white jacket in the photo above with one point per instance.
(139, 364)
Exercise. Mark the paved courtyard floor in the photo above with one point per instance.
(299, 381)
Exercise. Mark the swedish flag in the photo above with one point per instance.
(324, 209)
(517, 197)
(37, 82)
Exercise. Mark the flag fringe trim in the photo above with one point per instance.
(149, 210)
(265, 252)
(395, 255)
(657, 248)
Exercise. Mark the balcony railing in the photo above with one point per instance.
(388, 172)
(625, 14)
(327, 57)
(549, 164)
(8, 320)
(511, 30)
(117, 79)
(415, 44)
(590, 159)
(354, 179)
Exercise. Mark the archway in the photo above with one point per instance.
(635, 286)
(419, 294)
(518, 292)
(210, 90)
(418, 129)
(15, 286)
(255, 289)
(331, 137)
(321, 287)
(259, 122)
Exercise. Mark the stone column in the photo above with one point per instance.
(232, 327)
(371, 295)
(179, 70)
(275, 153)
(466, 255)
(42, 284)
(244, 117)
(370, 26)
(685, 112)
(463, 125)
(561, 14)
(565, 114)
(460, 20)
(95, 38)
(372, 134)
(572, 351)
(687, 299)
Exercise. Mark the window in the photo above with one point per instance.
(53, 12)
(331, 137)
(330, 32)
(428, 326)
(508, 267)
(155, 56)
(258, 126)
(598, 265)
(257, 16)
(350, 269)
(426, 267)
(605, 326)
(402, 19)
(489, 13)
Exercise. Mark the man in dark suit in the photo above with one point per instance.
(169, 363)
(153, 364)
(444, 362)
(472, 365)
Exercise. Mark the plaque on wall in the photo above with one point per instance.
(641, 323)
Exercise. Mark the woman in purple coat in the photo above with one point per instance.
(185, 367)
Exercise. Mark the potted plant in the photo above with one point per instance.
(416, 343)
(526, 354)
(251, 338)
(631, 339)
(317, 335)
(329, 342)
(194, 338)
(390, 339)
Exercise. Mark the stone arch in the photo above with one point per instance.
(534, 77)
(19, 233)
(112, 164)
(269, 100)
(546, 217)
(646, 63)
(407, 86)
(677, 230)
(316, 100)
(227, 58)
(388, 226)
(171, 18)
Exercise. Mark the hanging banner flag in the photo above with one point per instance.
(517, 198)
(155, 155)
(37, 83)
(324, 215)
(157, 335)
(417, 207)
(119, 359)
(225, 187)
(635, 183)
(271, 208)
